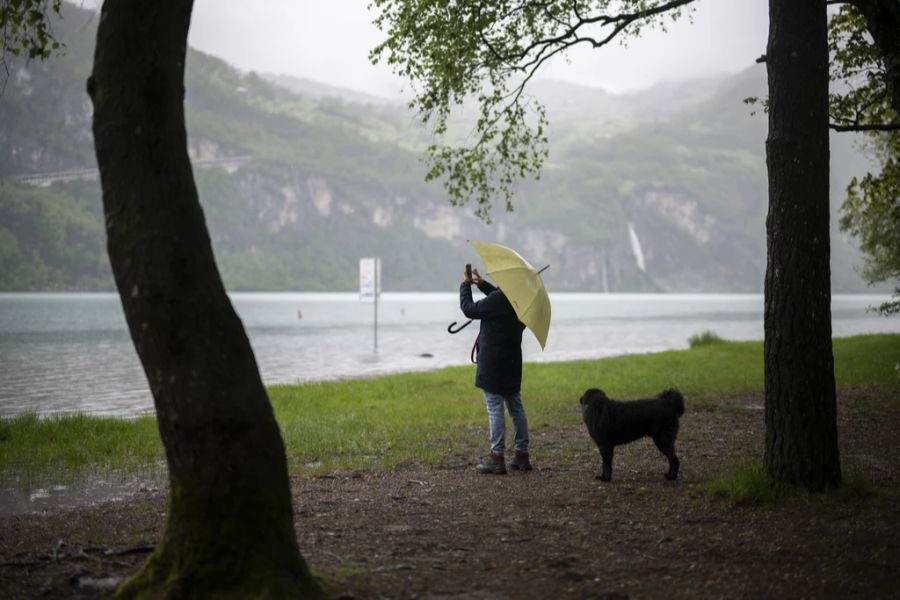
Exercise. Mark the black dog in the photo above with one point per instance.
(612, 423)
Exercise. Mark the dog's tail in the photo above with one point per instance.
(674, 397)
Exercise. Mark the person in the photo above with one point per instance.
(499, 370)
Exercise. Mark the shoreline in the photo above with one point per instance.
(75, 356)
(74, 459)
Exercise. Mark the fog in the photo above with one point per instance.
(329, 41)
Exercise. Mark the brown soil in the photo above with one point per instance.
(443, 532)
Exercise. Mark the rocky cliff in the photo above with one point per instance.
(664, 190)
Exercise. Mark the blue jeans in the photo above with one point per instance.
(497, 421)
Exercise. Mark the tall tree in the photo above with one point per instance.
(801, 423)
(864, 40)
(230, 525)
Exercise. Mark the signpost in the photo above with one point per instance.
(370, 287)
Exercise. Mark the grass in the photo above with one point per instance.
(380, 421)
(67, 449)
(384, 421)
(746, 483)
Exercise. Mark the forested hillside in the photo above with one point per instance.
(659, 191)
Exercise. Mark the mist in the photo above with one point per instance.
(329, 42)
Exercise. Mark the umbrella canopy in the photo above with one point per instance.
(522, 285)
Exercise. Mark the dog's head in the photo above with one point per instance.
(593, 397)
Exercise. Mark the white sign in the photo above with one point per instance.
(369, 279)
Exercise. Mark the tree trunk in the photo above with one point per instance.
(230, 525)
(801, 424)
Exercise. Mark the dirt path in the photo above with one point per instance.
(445, 532)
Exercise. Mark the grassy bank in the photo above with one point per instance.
(425, 416)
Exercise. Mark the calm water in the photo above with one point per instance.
(62, 353)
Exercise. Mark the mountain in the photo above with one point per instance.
(318, 91)
(664, 190)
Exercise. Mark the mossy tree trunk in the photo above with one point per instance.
(230, 525)
(801, 428)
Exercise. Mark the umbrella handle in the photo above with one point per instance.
(458, 329)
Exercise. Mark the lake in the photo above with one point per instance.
(65, 353)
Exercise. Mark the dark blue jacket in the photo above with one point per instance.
(499, 368)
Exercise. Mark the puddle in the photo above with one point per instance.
(16, 501)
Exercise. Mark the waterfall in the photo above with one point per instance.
(636, 247)
(603, 272)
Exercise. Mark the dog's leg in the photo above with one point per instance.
(606, 453)
(665, 441)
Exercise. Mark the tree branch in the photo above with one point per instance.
(865, 127)
(658, 10)
(621, 21)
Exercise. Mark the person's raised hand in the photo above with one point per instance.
(476, 277)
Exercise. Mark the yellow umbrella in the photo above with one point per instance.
(522, 285)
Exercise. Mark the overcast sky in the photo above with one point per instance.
(329, 41)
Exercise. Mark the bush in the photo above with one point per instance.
(706, 338)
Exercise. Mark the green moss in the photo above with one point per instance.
(209, 549)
